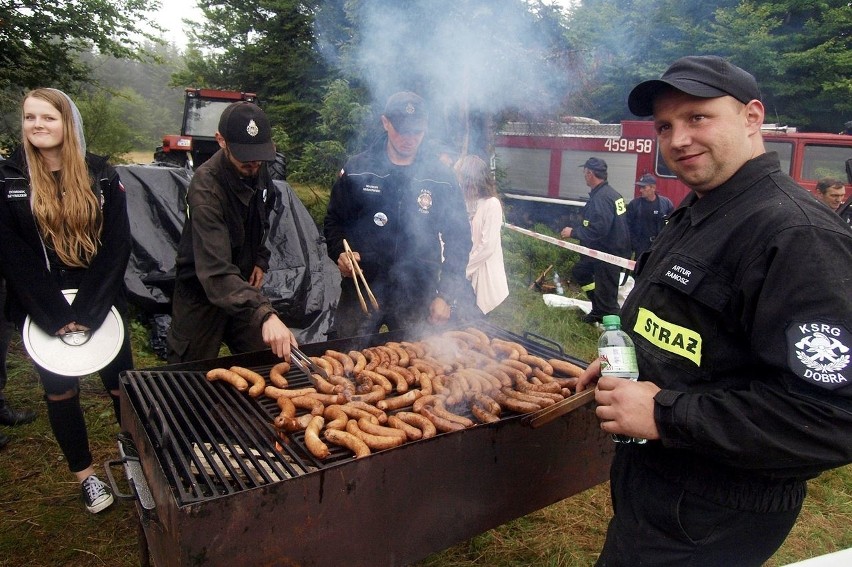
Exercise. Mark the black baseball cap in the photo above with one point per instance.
(595, 164)
(407, 112)
(705, 76)
(646, 180)
(246, 129)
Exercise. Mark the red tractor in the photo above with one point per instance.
(197, 139)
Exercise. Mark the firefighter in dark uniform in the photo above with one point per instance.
(603, 227)
(646, 216)
(222, 254)
(395, 204)
(741, 316)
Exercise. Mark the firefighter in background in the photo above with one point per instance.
(603, 227)
(647, 215)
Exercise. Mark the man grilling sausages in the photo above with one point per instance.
(741, 315)
(222, 254)
(395, 205)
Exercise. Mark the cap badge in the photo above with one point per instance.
(380, 219)
(252, 128)
(409, 108)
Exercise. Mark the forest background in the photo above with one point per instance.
(322, 69)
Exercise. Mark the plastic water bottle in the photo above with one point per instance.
(558, 283)
(618, 358)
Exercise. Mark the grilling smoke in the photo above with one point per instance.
(466, 58)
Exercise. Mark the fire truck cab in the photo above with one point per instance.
(539, 174)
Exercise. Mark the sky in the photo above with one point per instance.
(171, 15)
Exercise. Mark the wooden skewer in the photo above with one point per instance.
(356, 268)
(548, 414)
(351, 257)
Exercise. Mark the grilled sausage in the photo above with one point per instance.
(565, 368)
(278, 373)
(258, 383)
(537, 361)
(440, 423)
(368, 426)
(315, 406)
(336, 417)
(375, 442)
(312, 441)
(378, 413)
(420, 422)
(359, 359)
(288, 409)
(376, 394)
(397, 402)
(275, 393)
(344, 359)
(349, 441)
(228, 376)
(411, 432)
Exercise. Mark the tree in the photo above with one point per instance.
(799, 52)
(40, 43)
(266, 47)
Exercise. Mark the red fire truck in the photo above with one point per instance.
(538, 164)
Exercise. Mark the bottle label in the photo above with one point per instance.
(618, 361)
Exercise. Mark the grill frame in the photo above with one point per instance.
(428, 494)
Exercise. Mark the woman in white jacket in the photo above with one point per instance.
(485, 268)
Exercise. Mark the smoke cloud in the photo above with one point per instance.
(465, 57)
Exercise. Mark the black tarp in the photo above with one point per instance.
(302, 283)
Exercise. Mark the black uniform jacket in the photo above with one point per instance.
(604, 225)
(742, 314)
(395, 217)
(33, 288)
(224, 238)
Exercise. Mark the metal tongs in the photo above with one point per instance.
(305, 364)
(356, 273)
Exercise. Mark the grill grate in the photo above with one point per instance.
(213, 441)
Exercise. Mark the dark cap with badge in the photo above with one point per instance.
(407, 112)
(646, 180)
(596, 165)
(246, 130)
(704, 76)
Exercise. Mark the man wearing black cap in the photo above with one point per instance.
(603, 227)
(741, 316)
(646, 215)
(222, 255)
(395, 205)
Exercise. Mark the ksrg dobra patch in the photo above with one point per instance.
(819, 353)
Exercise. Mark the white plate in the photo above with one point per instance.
(76, 355)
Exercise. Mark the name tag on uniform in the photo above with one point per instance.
(18, 189)
(682, 276)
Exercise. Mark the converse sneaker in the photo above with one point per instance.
(96, 494)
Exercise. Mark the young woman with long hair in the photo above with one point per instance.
(64, 225)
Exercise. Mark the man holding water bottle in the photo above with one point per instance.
(742, 321)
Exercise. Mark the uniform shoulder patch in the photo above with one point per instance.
(819, 353)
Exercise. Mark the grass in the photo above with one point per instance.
(44, 523)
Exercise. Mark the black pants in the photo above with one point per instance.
(351, 321)
(199, 328)
(658, 523)
(5, 338)
(600, 282)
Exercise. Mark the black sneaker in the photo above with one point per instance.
(96, 494)
(12, 417)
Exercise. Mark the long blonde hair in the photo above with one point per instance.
(65, 207)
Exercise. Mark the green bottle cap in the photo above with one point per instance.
(610, 320)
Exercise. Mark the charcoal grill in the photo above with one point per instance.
(214, 484)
